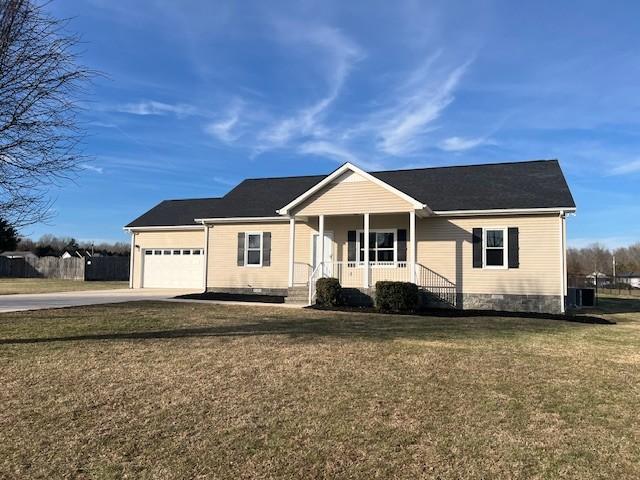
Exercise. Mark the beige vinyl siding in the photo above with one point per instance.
(223, 269)
(445, 247)
(350, 197)
(163, 239)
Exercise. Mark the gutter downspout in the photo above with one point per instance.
(131, 263)
(563, 262)
(205, 272)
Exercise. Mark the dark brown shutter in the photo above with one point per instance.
(240, 249)
(514, 248)
(477, 248)
(402, 245)
(266, 249)
(351, 250)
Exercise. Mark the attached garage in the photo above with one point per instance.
(172, 267)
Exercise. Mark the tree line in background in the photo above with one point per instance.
(598, 258)
(52, 246)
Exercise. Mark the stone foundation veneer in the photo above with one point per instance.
(509, 303)
(470, 301)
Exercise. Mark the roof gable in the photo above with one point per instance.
(335, 176)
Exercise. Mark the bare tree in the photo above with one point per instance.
(40, 83)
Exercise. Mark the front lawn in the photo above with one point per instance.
(10, 286)
(163, 390)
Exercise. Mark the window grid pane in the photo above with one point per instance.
(253, 257)
(495, 257)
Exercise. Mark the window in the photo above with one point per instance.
(148, 252)
(495, 240)
(176, 252)
(186, 252)
(167, 252)
(253, 249)
(382, 246)
(196, 252)
(157, 252)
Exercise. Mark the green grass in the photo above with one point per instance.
(160, 390)
(9, 286)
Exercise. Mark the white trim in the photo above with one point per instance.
(321, 241)
(366, 250)
(563, 263)
(292, 249)
(131, 263)
(173, 227)
(327, 233)
(246, 249)
(505, 249)
(205, 270)
(413, 243)
(503, 211)
(335, 174)
(242, 220)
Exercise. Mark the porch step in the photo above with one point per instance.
(297, 295)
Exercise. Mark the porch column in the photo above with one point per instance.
(321, 243)
(412, 242)
(366, 250)
(292, 249)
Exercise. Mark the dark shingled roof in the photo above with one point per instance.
(534, 184)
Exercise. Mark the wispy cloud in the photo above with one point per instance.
(223, 129)
(632, 166)
(152, 107)
(460, 144)
(337, 153)
(420, 102)
(93, 168)
(340, 53)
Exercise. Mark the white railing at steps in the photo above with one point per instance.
(312, 282)
(301, 273)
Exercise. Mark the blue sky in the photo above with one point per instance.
(200, 95)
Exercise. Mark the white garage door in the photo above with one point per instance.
(172, 268)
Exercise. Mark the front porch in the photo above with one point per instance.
(361, 250)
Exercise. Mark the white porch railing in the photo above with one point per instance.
(351, 274)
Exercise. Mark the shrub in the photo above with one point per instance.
(396, 296)
(328, 292)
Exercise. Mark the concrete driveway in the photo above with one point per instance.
(40, 301)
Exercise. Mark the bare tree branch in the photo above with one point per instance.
(40, 83)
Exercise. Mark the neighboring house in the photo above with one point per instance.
(602, 279)
(631, 278)
(482, 236)
(18, 254)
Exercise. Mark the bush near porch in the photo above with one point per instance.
(397, 296)
(328, 292)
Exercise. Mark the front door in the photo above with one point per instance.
(328, 253)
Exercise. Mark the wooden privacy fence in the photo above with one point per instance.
(97, 268)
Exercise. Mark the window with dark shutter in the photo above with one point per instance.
(514, 247)
(477, 248)
(240, 249)
(266, 249)
(351, 250)
(402, 245)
